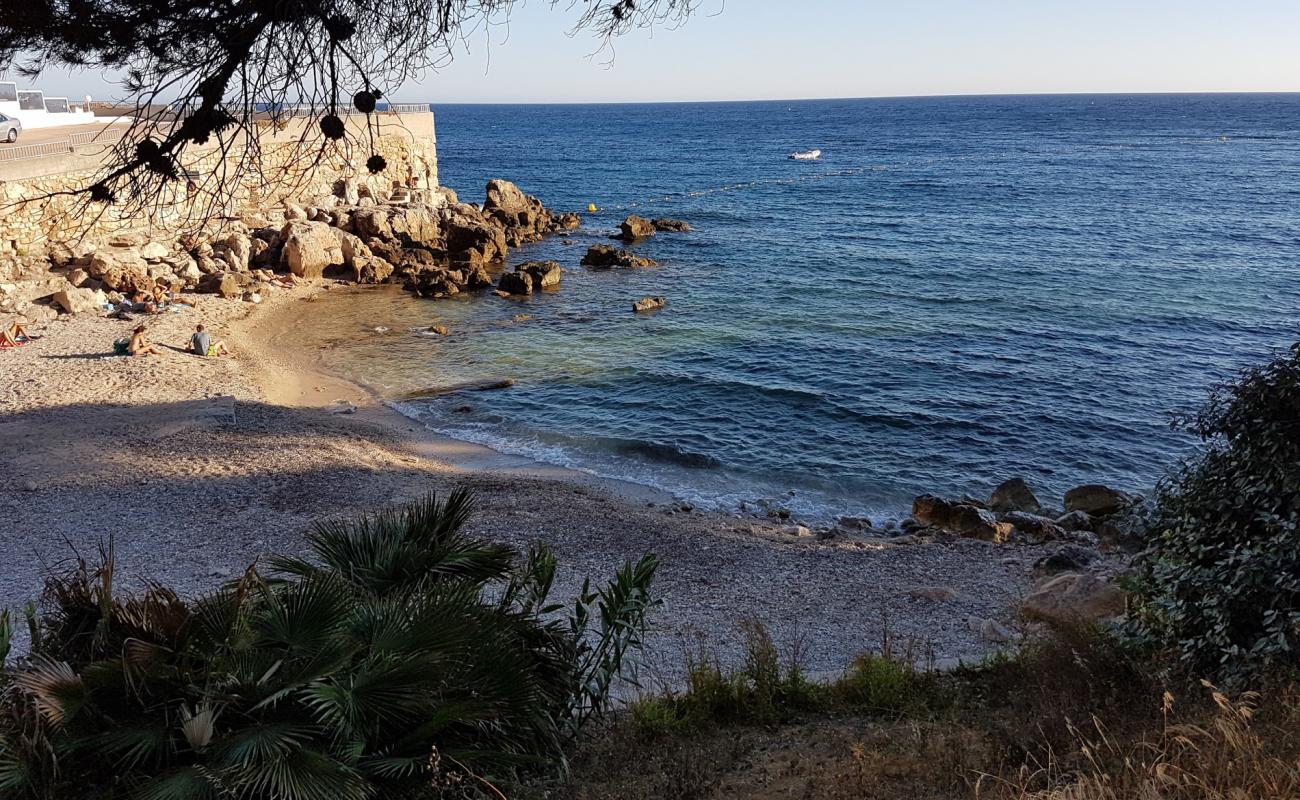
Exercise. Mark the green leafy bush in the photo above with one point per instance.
(1220, 585)
(404, 659)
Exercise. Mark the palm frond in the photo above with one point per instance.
(57, 690)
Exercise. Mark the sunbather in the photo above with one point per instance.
(14, 335)
(140, 344)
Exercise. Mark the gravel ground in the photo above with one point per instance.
(196, 466)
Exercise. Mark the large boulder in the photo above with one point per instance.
(1014, 495)
(372, 223)
(310, 248)
(960, 518)
(225, 284)
(415, 225)
(1074, 597)
(1066, 558)
(545, 274)
(1096, 499)
(603, 256)
(634, 228)
(1033, 526)
(521, 217)
(516, 283)
(238, 250)
(153, 251)
(80, 301)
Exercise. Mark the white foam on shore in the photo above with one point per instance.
(716, 489)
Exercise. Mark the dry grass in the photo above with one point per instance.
(1072, 717)
(1227, 755)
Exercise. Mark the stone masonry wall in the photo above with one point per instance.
(290, 164)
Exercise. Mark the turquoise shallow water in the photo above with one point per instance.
(961, 290)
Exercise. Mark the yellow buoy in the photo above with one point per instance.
(591, 208)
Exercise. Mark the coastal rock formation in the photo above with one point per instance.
(960, 518)
(1014, 495)
(530, 275)
(1074, 597)
(1075, 521)
(670, 225)
(604, 256)
(522, 217)
(634, 228)
(1096, 499)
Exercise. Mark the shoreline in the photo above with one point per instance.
(291, 376)
(196, 467)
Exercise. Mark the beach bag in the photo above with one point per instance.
(122, 347)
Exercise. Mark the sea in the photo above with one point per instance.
(959, 291)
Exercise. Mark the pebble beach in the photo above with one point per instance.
(196, 467)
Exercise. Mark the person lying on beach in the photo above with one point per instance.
(201, 344)
(140, 344)
(163, 298)
(14, 335)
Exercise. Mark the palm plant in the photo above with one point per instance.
(403, 659)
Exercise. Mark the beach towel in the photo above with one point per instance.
(122, 347)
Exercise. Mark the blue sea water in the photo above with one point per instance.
(961, 290)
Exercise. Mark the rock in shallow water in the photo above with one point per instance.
(1014, 495)
(960, 518)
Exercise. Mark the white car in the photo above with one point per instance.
(10, 127)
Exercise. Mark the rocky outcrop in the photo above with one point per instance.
(960, 518)
(1096, 500)
(649, 304)
(521, 217)
(603, 256)
(634, 228)
(670, 225)
(1014, 495)
(1074, 597)
(529, 276)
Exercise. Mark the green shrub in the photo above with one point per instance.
(404, 659)
(880, 684)
(1220, 586)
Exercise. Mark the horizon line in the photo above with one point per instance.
(845, 97)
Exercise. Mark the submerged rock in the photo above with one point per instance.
(671, 225)
(605, 256)
(649, 304)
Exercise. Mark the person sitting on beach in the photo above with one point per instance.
(14, 335)
(140, 344)
(201, 344)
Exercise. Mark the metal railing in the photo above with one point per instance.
(22, 152)
(391, 108)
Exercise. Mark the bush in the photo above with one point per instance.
(404, 659)
(1220, 586)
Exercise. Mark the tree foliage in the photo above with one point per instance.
(1221, 583)
(201, 72)
(402, 660)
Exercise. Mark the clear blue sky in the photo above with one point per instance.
(752, 49)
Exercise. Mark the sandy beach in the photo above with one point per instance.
(197, 466)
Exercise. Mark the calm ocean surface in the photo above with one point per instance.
(961, 290)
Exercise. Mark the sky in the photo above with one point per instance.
(789, 49)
